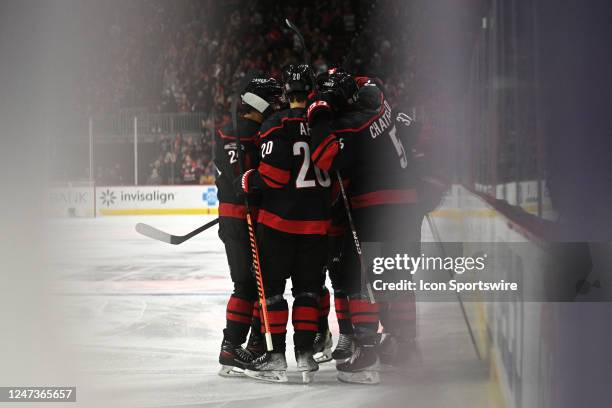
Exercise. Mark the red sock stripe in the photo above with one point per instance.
(276, 329)
(237, 317)
(341, 305)
(278, 316)
(306, 326)
(362, 306)
(305, 314)
(364, 318)
(362, 311)
(238, 305)
(342, 314)
(256, 310)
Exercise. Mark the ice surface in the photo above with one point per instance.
(146, 321)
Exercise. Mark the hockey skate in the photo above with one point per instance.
(361, 368)
(269, 366)
(256, 345)
(344, 349)
(233, 359)
(395, 352)
(306, 364)
(322, 347)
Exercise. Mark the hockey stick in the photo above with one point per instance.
(436, 236)
(249, 219)
(349, 215)
(297, 32)
(154, 233)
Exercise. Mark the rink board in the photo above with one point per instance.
(70, 201)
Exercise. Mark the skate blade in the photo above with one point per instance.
(359, 377)
(323, 357)
(277, 376)
(341, 360)
(308, 377)
(230, 371)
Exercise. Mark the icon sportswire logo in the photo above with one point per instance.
(108, 197)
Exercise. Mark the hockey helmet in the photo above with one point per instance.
(298, 78)
(340, 84)
(261, 94)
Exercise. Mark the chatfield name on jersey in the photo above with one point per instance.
(381, 124)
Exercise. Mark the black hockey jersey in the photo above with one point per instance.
(364, 144)
(228, 169)
(295, 194)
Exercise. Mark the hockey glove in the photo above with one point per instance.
(319, 110)
(242, 184)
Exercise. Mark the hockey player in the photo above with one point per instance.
(354, 131)
(323, 342)
(258, 100)
(293, 221)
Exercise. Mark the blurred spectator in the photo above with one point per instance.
(187, 56)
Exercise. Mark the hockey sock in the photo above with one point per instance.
(256, 320)
(278, 315)
(341, 305)
(400, 318)
(238, 314)
(324, 308)
(305, 318)
(364, 317)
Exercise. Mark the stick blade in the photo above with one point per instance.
(154, 233)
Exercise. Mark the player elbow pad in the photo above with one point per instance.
(325, 153)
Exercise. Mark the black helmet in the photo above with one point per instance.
(340, 84)
(298, 78)
(261, 94)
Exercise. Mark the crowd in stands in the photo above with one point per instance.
(186, 56)
(183, 160)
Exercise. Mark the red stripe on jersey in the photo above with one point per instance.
(232, 210)
(271, 183)
(305, 313)
(336, 230)
(230, 137)
(369, 122)
(381, 197)
(273, 128)
(326, 152)
(277, 175)
(316, 227)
